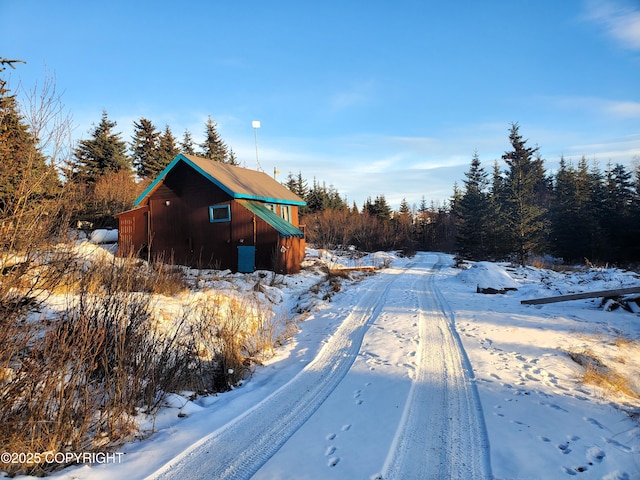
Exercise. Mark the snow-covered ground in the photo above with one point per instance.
(409, 373)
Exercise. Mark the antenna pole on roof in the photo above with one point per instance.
(256, 125)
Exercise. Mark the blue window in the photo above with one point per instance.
(219, 213)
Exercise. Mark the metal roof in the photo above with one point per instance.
(239, 183)
(284, 228)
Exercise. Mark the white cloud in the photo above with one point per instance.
(620, 21)
(618, 150)
(622, 109)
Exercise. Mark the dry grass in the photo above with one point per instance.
(230, 335)
(74, 381)
(600, 375)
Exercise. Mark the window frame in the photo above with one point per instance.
(285, 213)
(214, 208)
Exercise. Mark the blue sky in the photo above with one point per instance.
(373, 97)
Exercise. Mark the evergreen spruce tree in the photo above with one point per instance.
(187, 146)
(524, 183)
(379, 208)
(564, 213)
(213, 146)
(167, 151)
(403, 222)
(297, 184)
(421, 232)
(404, 208)
(617, 219)
(334, 200)
(145, 146)
(589, 191)
(472, 213)
(231, 158)
(28, 183)
(317, 199)
(499, 238)
(21, 162)
(104, 152)
(635, 209)
(575, 213)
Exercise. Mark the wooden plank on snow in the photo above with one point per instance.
(580, 296)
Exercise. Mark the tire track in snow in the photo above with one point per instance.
(442, 432)
(240, 448)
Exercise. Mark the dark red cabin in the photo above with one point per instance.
(207, 214)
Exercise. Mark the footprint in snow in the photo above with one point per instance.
(620, 446)
(330, 451)
(595, 455)
(346, 427)
(333, 461)
(331, 436)
(593, 421)
(569, 471)
(555, 407)
(564, 447)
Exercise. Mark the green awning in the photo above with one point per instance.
(284, 228)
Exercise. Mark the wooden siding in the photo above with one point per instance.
(132, 232)
(180, 231)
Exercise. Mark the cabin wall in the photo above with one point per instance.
(290, 254)
(132, 232)
(180, 230)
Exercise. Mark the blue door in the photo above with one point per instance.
(246, 259)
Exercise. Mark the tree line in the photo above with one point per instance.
(47, 182)
(519, 209)
(578, 214)
(331, 223)
(107, 173)
(148, 153)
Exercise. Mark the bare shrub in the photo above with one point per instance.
(230, 335)
(334, 228)
(75, 383)
(115, 192)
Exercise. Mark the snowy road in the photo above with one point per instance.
(434, 428)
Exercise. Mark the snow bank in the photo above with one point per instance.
(487, 275)
(104, 236)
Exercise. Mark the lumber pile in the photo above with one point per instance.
(611, 299)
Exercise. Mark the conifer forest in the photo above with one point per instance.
(512, 209)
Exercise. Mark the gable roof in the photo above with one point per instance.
(239, 183)
(284, 228)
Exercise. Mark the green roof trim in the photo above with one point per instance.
(284, 228)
